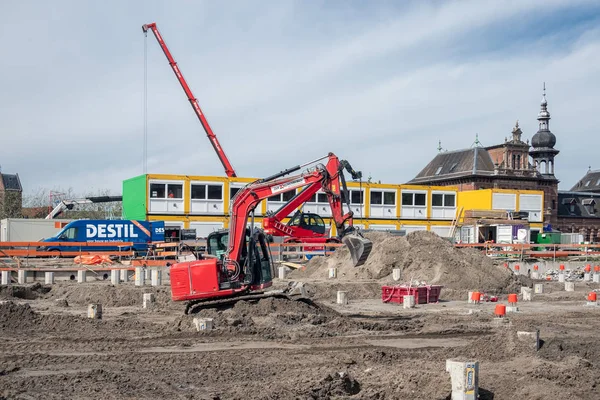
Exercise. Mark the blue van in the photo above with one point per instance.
(141, 233)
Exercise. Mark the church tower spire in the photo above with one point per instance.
(543, 142)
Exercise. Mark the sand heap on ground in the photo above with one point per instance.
(422, 256)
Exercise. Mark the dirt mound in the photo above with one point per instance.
(26, 292)
(16, 318)
(335, 385)
(106, 294)
(422, 256)
(275, 318)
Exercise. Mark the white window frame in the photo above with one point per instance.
(206, 185)
(449, 212)
(383, 191)
(218, 204)
(405, 208)
(168, 202)
(166, 183)
(392, 208)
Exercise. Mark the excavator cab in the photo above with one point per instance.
(309, 221)
(255, 258)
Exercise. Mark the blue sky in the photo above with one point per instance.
(284, 82)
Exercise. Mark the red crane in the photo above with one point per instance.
(193, 101)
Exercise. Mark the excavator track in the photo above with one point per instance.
(195, 306)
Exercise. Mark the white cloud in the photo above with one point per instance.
(284, 82)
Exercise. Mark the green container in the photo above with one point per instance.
(134, 198)
(547, 238)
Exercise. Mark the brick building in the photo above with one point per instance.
(11, 196)
(517, 164)
(502, 166)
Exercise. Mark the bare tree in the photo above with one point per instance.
(10, 204)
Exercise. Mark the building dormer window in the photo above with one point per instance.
(590, 205)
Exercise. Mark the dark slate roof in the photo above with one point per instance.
(11, 182)
(579, 204)
(454, 164)
(589, 183)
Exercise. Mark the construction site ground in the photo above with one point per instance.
(279, 349)
(317, 349)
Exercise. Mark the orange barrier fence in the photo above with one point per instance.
(532, 250)
(31, 249)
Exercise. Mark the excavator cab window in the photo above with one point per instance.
(309, 221)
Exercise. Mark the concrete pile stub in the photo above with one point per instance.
(156, 277)
(538, 288)
(124, 275)
(147, 300)
(203, 324)
(464, 376)
(49, 278)
(569, 286)
(396, 274)
(596, 278)
(333, 273)
(533, 337)
(408, 301)
(94, 311)
(22, 276)
(526, 293)
(81, 278)
(561, 277)
(587, 277)
(6, 278)
(282, 272)
(342, 297)
(147, 276)
(115, 279)
(139, 276)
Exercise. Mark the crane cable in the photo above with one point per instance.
(145, 161)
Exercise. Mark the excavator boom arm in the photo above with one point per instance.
(322, 177)
(193, 101)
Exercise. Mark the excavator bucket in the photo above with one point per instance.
(359, 247)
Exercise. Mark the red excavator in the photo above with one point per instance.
(238, 265)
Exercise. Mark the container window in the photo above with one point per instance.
(376, 197)
(449, 200)
(420, 199)
(276, 197)
(356, 197)
(175, 191)
(322, 198)
(389, 198)
(157, 190)
(437, 200)
(233, 191)
(407, 199)
(215, 192)
(287, 196)
(199, 192)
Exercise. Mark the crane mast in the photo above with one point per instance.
(193, 101)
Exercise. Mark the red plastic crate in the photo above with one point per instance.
(423, 294)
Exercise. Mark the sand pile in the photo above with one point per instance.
(422, 256)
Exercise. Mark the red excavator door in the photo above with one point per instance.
(313, 223)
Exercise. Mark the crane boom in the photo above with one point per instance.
(193, 101)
